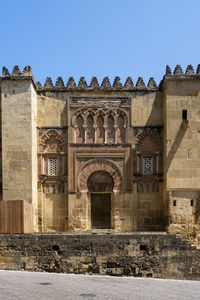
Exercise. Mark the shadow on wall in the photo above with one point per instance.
(156, 115)
(176, 144)
(63, 119)
(157, 112)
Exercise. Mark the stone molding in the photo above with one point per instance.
(99, 165)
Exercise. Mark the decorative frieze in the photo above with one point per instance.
(104, 103)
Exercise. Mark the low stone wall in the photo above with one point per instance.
(139, 254)
(188, 231)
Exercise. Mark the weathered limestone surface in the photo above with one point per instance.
(181, 159)
(19, 141)
(143, 138)
(51, 111)
(182, 137)
(158, 255)
(147, 109)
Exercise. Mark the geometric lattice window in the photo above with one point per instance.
(147, 165)
(53, 166)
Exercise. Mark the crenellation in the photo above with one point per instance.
(168, 71)
(5, 72)
(106, 82)
(82, 83)
(71, 83)
(198, 69)
(48, 83)
(59, 83)
(16, 71)
(189, 70)
(117, 82)
(140, 83)
(152, 83)
(178, 70)
(129, 83)
(94, 83)
(27, 71)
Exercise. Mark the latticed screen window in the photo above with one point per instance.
(53, 166)
(147, 165)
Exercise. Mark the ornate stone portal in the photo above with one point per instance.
(100, 165)
(102, 157)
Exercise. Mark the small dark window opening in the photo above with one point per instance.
(191, 202)
(143, 247)
(55, 248)
(174, 203)
(184, 115)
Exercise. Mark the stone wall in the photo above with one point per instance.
(149, 211)
(158, 255)
(147, 108)
(19, 150)
(136, 133)
(52, 111)
(181, 152)
(19, 140)
(181, 137)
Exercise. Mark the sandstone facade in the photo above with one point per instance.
(117, 158)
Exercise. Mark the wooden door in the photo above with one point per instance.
(101, 211)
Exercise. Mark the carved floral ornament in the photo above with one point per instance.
(51, 141)
(99, 165)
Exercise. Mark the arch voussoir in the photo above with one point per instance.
(99, 165)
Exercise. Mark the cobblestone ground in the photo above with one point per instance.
(42, 286)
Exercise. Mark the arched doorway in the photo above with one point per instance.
(100, 185)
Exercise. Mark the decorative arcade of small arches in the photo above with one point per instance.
(100, 127)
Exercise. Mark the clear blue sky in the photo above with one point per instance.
(99, 37)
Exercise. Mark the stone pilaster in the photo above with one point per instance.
(19, 141)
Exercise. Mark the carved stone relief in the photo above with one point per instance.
(51, 141)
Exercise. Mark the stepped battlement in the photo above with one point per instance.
(104, 85)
